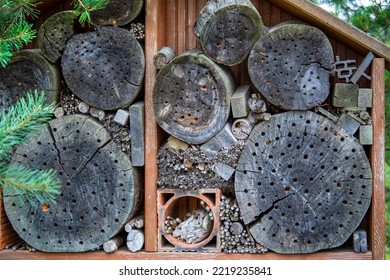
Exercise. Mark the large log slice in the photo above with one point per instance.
(117, 12)
(100, 189)
(191, 97)
(302, 183)
(228, 29)
(104, 68)
(291, 65)
(28, 71)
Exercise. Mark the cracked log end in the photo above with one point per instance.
(291, 65)
(303, 184)
(100, 189)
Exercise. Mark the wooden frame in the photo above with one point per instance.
(158, 25)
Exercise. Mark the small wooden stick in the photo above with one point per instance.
(135, 223)
(135, 240)
(113, 244)
(163, 57)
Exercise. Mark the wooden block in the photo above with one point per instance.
(211, 147)
(365, 98)
(345, 95)
(327, 114)
(239, 101)
(223, 170)
(163, 57)
(360, 241)
(224, 139)
(176, 144)
(348, 123)
(137, 129)
(122, 117)
(362, 68)
(366, 135)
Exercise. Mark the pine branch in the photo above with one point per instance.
(23, 118)
(31, 184)
(85, 7)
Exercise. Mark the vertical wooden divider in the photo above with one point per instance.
(154, 25)
(377, 210)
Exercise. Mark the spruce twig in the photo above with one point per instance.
(85, 7)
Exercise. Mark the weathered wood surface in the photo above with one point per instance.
(302, 183)
(135, 223)
(104, 68)
(117, 12)
(27, 71)
(137, 133)
(54, 33)
(290, 66)
(239, 101)
(113, 244)
(100, 190)
(191, 97)
(345, 95)
(228, 29)
(135, 240)
(163, 57)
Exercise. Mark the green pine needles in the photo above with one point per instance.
(25, 117)
(85, 7)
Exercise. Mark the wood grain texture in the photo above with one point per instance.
(100, 191)
(377, 213)
(302, 183)
(6, 234)
(124, 254)
(105, 68)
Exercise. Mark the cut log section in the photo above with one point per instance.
(291, 65)
(54, 34)
(100, 189)
(191, 97)
(104, 68)
(117, 12)
(228, 29)
(302, 183)
(27, 71)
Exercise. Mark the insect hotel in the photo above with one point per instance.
(201, 130)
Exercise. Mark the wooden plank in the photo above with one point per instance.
(275, 16)
(192, 13)
(181, 26)
(124, 254)
(169, 20)
(137, 129)
(339, 29)
(377, 213)
(265, 12)
(155, 26)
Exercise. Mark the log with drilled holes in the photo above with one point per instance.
(228, 29)
(100, 189)
(27, 71)
(104, 68)
(55, 32)
(117, 12)
(191, 97)
(291, 65)
(303, 184)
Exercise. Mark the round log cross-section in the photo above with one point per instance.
(117, 12)
(27, 71)
(227, 30)
(191, 97)
(303, 184)
(291, 65)
(55, 32)
(104, 68)
(99, 194)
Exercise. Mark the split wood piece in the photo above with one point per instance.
(302, 183)
(223, 170)
(97, 113)
(360, 244)
(122, 117)
(366, 136)
(239, 101)
(104, 68)
(137, 132)
(291, 65)
(362, 68)
(365, 98)
(27, 71)
(135, 223)
(135, 240)
(55, 32)
(256, 104)
(113, 244)
(345, 95)
(223, 140)
(348, 123)
(228, 29)
(241, 128)
(100, 189)
(117, 12)
(191, 97)
(163, 57)
(327, 114)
